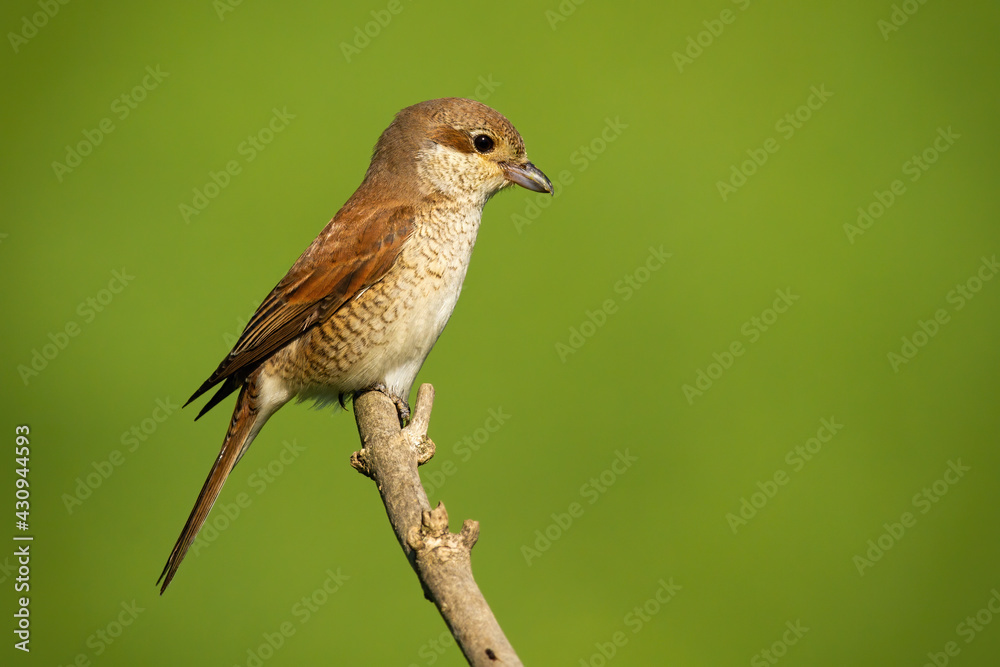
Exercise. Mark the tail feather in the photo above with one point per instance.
(246, 423)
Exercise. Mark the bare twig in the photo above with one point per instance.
(442, 560)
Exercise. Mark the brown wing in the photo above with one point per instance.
(352, 253)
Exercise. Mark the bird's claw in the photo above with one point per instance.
(402, 407)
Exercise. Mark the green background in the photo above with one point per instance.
(681, 128)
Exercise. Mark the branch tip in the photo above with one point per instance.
(421, 419)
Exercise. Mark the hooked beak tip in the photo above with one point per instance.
(528, 176)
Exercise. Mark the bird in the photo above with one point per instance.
(364, 304)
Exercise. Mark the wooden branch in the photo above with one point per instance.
(442, 560)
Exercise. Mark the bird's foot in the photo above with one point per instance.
(402, 407)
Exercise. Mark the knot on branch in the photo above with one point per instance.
(413, 436)
(359, 461)
(425, 450)
(432, 535)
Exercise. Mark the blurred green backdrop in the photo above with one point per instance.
(778, 444)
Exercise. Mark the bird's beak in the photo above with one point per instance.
(527, 176)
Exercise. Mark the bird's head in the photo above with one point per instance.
(457, 148)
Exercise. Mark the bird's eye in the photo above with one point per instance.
(483, 143)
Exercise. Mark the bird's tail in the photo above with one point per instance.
(247, 421)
